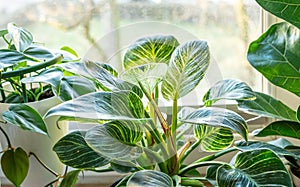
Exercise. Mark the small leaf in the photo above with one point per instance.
(26, 118)
(70, 50)
(266, 105)
(70, 179)
(21, 37)
(298, 114)
(150, 178)
(228, 89)
(282, 128)
(187, 67)
(15, 165)
(3, 32)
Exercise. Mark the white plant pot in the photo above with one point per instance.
(39, 144)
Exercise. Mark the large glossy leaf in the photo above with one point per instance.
(285, 9)
(266, 105)
(150, 178)
(15, 165)
(26, 118)
(116, 140)
(282, 128)
(39, 52)
(9, 58)
(213, 138)
(254, 168)
(218, 117)
(276, 55)
(70, 179)
(228, 89)
(20, 37)
(154, 49)
(187, 67)
(123, 105)
(73, 151)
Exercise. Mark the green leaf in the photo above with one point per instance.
(3, 32)
(218, 117)
(155, 49)
(150, 178)
(285, 9)
(212, 138)
(9, 58)
(73, 151)
(15, 165)
(70, 50)
(298, 114)
(21, 37)
(70, 179)
(122, 167)
(282, 128)
(26, 118)
(228, 89)
(77, 68)
(267, 106)
(276, 55)
(39, 52)
(116, 140)
(187, 67)
(259, 167)
(123, 105)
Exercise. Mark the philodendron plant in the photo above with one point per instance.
(132, 136)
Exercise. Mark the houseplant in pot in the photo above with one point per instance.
(30, 84)
(132, 136)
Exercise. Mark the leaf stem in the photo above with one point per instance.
(214, 156)
(6, 136)
(157, 158)
(43, 164)
(189, 150)
(200, 164)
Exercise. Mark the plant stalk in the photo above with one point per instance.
(197, 165)
(43, 164)
(189, 150)
(157, 158)
(217, 155)
(6, 136)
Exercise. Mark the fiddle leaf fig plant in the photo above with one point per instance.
(132, 136)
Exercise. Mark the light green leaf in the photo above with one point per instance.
(267, 106)
(70, 179)
(26, 118)
(15, 165)
(73, 151)
(276, 55)
(187, 67)
(21, 37)
(282, 128)
(150, 178)
(228, 89)
(155, 49)
(254, 168)
(116, 140)
(218, 117)
(212, 138)
(70, 50)
(285, 9)
(123, 105)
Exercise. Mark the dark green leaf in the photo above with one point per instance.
(26, 118)
(266, 105)
(211, 174)
(187, 67)
(9, 58)
(282, 128)
(155, 49)
(276, 55)
(39, 52)
(254, 168)
(21, 37)
(285, 9)
(150, 178)
(73, 151)
(70, 179)
(229, 89)
(298, 114)
(121, 167)
(15, 165)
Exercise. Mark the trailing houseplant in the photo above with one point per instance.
(132, 136)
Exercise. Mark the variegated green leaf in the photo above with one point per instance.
(254, 168)
(218, 117)
(213, 138)
(228, 89)
(187, 67)
(282, 128)
(154, 49)
(70, 179)
(266, 105)
(21, 38)
(73, 151)
(123, 105)
(149, 178)
(116, 140)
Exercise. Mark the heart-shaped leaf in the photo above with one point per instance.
(20, 37)
(259, 167)
(39, 52)
(9, 58)
(276, 55)
(285, 9)
(26, 118)
(15, 165)
(73, 151)
(187, 67)
(155, 49)
(150, 178)
(70, 179)
(266, 105)
(228, 89)
(116, 140)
